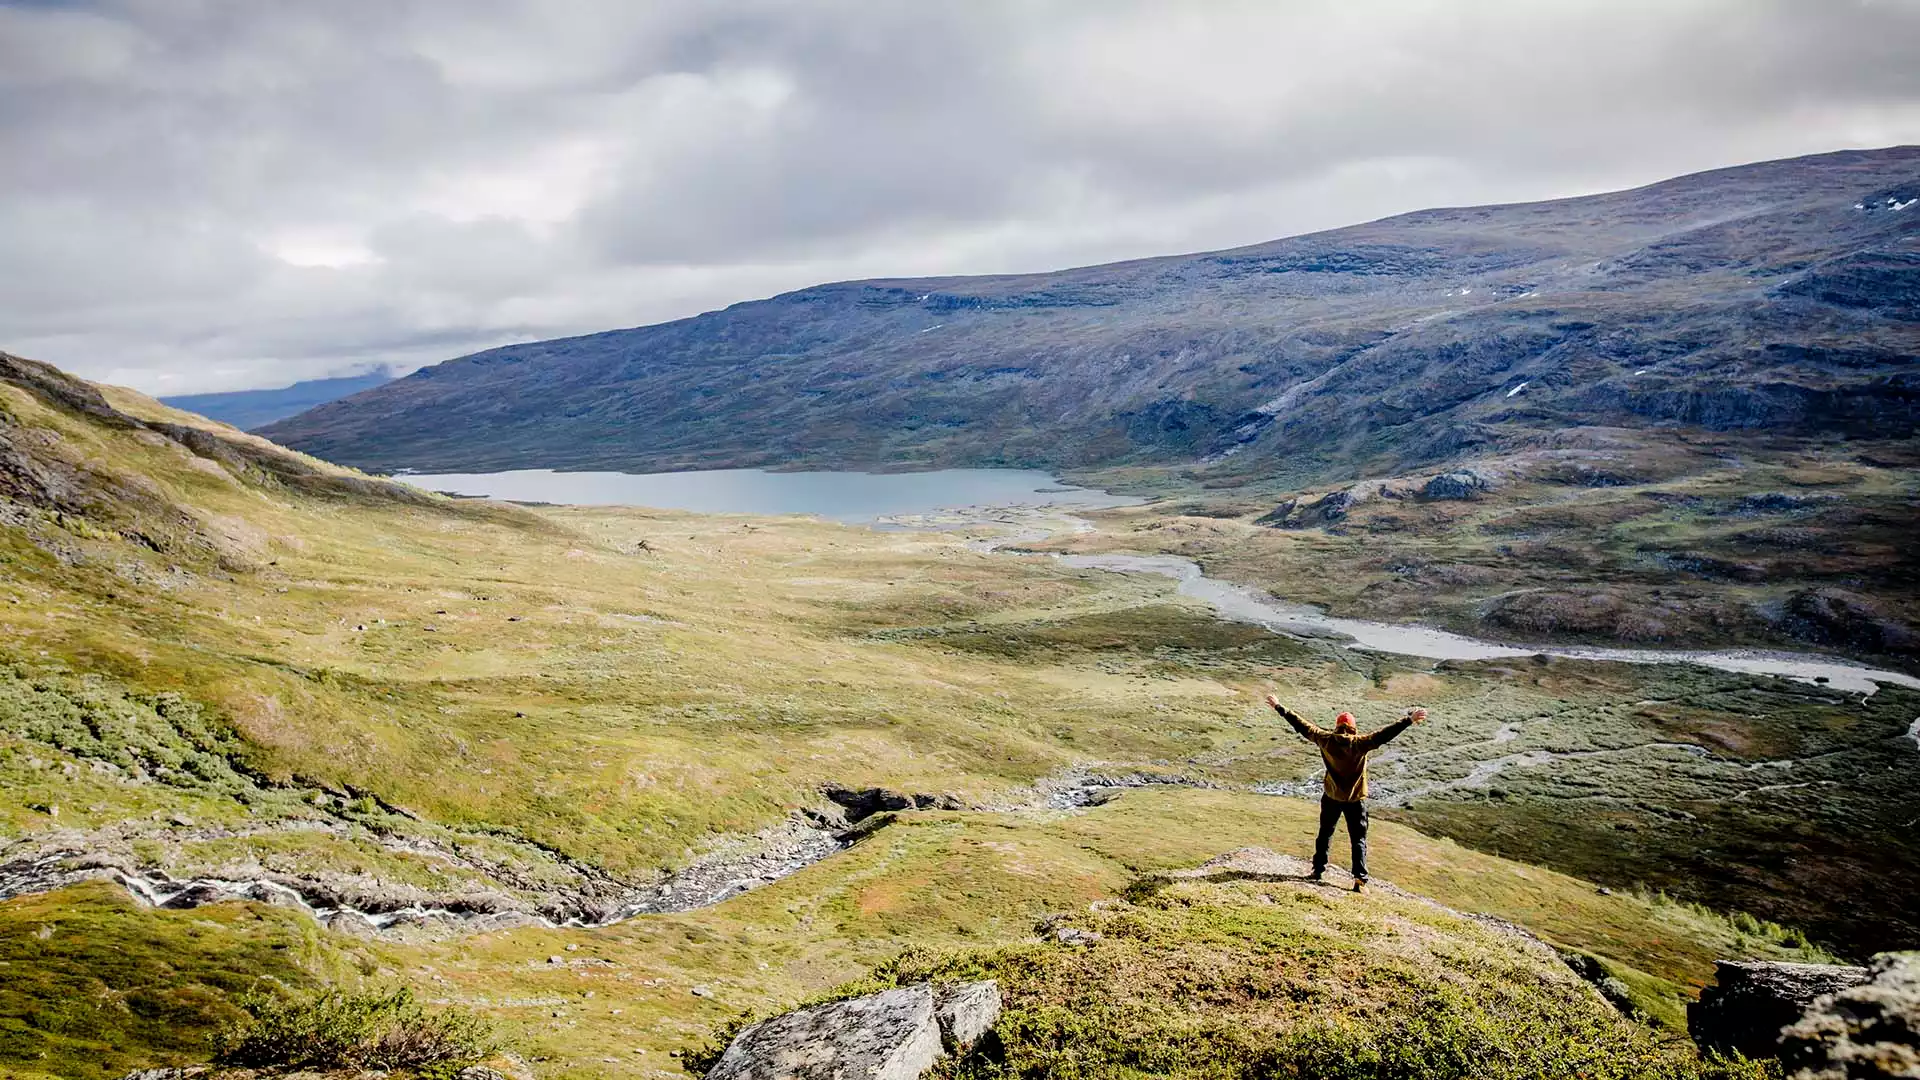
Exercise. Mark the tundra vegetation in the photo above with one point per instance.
(221, 659)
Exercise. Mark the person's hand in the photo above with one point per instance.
(1273, 701)
(1416, 715)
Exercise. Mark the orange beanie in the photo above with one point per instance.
(1344, 720)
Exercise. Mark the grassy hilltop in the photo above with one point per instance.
(223, 659)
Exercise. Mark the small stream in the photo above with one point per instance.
(781, 851)
(1243, 604)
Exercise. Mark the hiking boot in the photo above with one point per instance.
(1317, 876)
(1360, 885)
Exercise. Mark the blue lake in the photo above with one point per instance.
(853, 497)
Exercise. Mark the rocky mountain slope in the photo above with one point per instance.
(1781, 297)
(252, 408)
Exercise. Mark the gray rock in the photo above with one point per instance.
(862, 803)
(1073, 935)
(1453, 486)
(1863, 1033)
(1328, 509)
(1751, 1001)
(892, 1035)
(966, 1012)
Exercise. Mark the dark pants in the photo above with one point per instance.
(1356, 814)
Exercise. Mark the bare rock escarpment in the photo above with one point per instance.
(1866, 1032)
(1751, 1001)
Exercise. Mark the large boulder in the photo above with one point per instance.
(1864, 1033)
(892, 1035)
(1751, 1001)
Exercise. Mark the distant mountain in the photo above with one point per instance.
(1781, 297)
(246, 409)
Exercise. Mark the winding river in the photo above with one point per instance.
(1243, 604)
(1034, 505)
(1023, 507)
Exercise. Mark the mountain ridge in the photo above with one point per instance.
(246, 409)
(1775, 296)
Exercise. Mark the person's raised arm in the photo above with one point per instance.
(1306, 730)
(1386, 734)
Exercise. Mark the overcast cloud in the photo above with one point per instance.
(217, 194)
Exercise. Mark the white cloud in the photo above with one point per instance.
(244, 192)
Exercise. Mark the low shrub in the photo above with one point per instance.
(340, 1030)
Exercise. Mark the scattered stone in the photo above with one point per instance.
(1864, 1033)
(824, 818)
(1751, 1001)
(1075, 936)
(556, 959)
(701, 992)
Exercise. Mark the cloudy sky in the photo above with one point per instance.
(217, 194)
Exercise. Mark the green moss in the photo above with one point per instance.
(92, 985)
(1281, 978)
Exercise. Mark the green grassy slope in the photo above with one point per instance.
(1667, 539)
(221, 659)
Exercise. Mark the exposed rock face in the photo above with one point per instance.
(863, 803)
(967, 1011)
(1328, 509)
(1869, 1031)
(1453, 486)
(892, 1035)
(1751, 1001)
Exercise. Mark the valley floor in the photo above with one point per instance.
(407, 702)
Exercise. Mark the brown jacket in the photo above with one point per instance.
(1345, 755)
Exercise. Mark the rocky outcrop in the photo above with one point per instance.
(1864, 1033)
(891, 1035)
(1301, 513)
(863, 803)
(1751, 1001)
(1453, 486)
